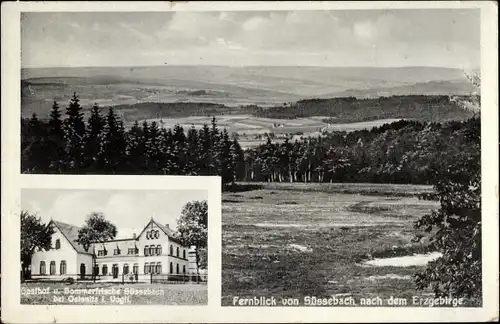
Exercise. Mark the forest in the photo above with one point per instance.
(351, 109)
(407, 151)
(444, 154)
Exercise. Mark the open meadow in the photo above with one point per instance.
(315, 239)
(253, 131)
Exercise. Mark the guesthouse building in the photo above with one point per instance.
(152, 251)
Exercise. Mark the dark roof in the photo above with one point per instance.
(71, 233)
(165, 229)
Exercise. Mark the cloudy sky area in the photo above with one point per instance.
(129, 210)
(437, 37)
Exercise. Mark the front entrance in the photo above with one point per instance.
(115, 270)
(82, 271)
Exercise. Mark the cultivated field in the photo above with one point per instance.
(174, 294)
(294, 240)
(251, 129)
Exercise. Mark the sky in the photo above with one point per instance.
(129, 210)
(411, 37)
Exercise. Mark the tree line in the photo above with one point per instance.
(102, 145)
(406, 151)
(446, 155)
(400, 152)
(435, 108)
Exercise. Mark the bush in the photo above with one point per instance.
(69, 281)
(456, 227)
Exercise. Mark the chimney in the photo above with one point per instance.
(134, 235)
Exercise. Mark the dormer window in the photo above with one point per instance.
(117, 251)
(58, 244)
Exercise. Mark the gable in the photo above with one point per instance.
(70, 233)
(162, 229)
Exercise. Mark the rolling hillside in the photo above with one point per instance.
(229, 86)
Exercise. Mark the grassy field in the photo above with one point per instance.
(173, 294)
(295, 240)
(251, 129)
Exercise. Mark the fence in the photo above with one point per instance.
(124, 278)
(177, 278)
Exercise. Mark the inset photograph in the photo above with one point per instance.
(109, 247)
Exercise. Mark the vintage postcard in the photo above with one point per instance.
(345, 153)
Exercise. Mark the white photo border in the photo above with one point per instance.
(13, 181)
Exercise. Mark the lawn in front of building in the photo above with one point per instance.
(83, 293)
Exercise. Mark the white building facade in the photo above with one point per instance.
(154, 252)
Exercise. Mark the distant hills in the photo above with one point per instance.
(229, 86)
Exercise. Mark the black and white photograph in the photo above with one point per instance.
(355, 145)
(123, 247)
(333, 174)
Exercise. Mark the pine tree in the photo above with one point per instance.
(34, 157)
(135, 150)
(192, 152)
(152, 148)
(114, 144)
(224, 159)
(56, 153)
(169, 160)
(179, 150)
(215, 148)
(74, 128)
(205, 148)
(94, 137)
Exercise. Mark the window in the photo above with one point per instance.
(158, 249)
(158, 267)
(131, 250)
(177, 268)
(136, 268)
(125, 269)
(157, 234)
(177, 251)
(101, 253)
(152, 249)
(146, 268)
(115, 270)
(171, 268)
(117, 251)
(58, 244)
(104, 269)
(183, 269)
(183, 253)
(148, 235)
(146, 250)
(42, 267)
(171, 250)
(62, 267)
(52, 268)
